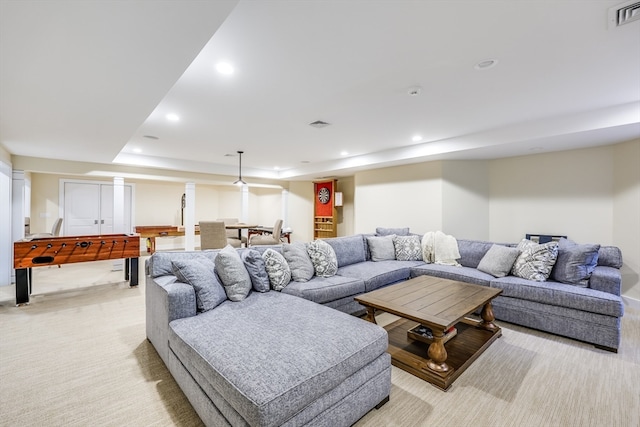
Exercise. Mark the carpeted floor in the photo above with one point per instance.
(77, 355)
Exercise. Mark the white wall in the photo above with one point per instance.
(6, 243)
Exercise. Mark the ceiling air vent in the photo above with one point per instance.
(319, 124)
(624, 13)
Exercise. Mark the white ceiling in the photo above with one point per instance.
(86, 81)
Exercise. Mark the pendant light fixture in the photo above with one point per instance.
(240, 181)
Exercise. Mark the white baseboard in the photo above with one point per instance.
(631, 302)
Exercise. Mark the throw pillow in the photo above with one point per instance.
(200, 273)
(257, 270)
(535, 260)
(234, 276)
(323, 258)
(382, 231)
(575, 262)
(277, 269)
(498, 260)
(407, 248)
(381, 248)
(298, 260)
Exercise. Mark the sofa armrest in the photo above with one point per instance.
(606, 279)
(166, 300)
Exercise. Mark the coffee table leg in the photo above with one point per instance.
(371, 315)
(437, 353)
(488, 317)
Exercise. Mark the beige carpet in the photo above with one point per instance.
(78, 356)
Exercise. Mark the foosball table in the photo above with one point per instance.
(39, 252)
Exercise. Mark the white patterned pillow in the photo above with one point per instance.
(277, 269)
(407, 248)
(323, 258)
(535, 261)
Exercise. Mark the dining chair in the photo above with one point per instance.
(213, 235)
(267, 238)
(232, 235)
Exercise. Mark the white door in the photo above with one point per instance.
(106, 209)
(88, 208)
(81, 209)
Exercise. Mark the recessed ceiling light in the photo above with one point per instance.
(344, 153)
(224, 68)
(486, 64)
(172, 117)
(416, 138)
(277, 168)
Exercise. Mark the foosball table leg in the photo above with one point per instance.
(23, 285)
(132, 275)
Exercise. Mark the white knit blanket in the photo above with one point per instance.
(440, 248)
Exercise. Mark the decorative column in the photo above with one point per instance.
(189, 216)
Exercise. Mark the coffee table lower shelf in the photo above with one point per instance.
(411, 355)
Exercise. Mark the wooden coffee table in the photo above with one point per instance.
(440, 305)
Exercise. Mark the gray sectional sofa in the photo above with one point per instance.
(270, 359)
(590, 312)
(298, 356)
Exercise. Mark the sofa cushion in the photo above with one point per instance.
(381, 248)
(472, 251)
(348, 249)
(325, 289)
(498, 260)
(277, 269)
(407, 248)
(535, 260)
(451, 272)
(159, 264)
(323, 258)
(199, 272)
(560, 294)
(377, 274)
(257, 269)
(382, 231)
(233, 274)
(256, 355)
(575, 262)
(610, 256)
(302, 269)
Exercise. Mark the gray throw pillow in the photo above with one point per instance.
(323, 258)
(535, 260)
(407, 248)
(200, 273)
(381, 248)
(277, 269)
(382, 231)
(575, 262)
(257, 270)
(233, 274)
(298, 260)
(498, 260)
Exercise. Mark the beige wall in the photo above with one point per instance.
(626, 214)
(301, 210)
(465, 199)
(563, 193)
(403, 196)
(346, 211)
